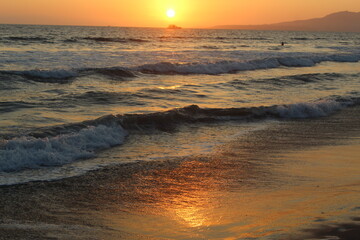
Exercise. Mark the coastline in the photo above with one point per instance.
(285, 181)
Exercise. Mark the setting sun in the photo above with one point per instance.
(170, 13)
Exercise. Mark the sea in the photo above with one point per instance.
(75, 100)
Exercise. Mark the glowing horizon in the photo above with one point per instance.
(187, 13)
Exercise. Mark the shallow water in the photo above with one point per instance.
(287, 180)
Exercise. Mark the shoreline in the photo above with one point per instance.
(276, 182)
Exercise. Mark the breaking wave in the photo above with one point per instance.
(64, 144)
(233, 66)
(167, 68)
(29, 152)
(193, 114)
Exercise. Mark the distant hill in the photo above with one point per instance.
(335, 22)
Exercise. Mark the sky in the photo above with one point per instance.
(152, 13)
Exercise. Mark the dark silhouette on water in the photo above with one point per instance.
(173, 26)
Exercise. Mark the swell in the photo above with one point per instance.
(64, 144)
(34, 39)
(123, 40)
(26, 39)
(193, 114)
(119, 40)
(168, 120)
(102, 39)
(50, 76)
(62, 76)
(216, 38)
(167, 68)
(223, 67)
(292, 80)
(307, 38)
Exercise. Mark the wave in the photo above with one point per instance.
(312, 77)
(168, 68)
(215, 38)
(233, 67)
(113, 72)
(27, 38)
(74, 39)
(307, 39)
(70, 40)
(66, 76)
(291, 79)
(205, 68)
(209, 47)
(64, 144)
(29, 152)
(30, 39)
(192, 114)
(120, 40)
(52, 76)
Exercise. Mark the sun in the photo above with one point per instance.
(170, 13)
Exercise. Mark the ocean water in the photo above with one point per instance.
(75, 99)
(141, 133)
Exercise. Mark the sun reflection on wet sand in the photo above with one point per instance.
(237, 196)
(185, 193)
(182, 203)
(192, 211)
(266, 185)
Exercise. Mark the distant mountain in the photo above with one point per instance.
(335, 22)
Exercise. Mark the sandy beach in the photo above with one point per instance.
(291, 180)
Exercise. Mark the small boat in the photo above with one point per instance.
(172, 26)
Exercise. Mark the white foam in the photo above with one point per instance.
(28, 152)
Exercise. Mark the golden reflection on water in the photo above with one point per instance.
(186, 203)
(226, 196)
(192, 210)
(185, 193)
(170, 87)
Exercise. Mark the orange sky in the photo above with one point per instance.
(152, 13)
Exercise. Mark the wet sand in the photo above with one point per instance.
(293, 180)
